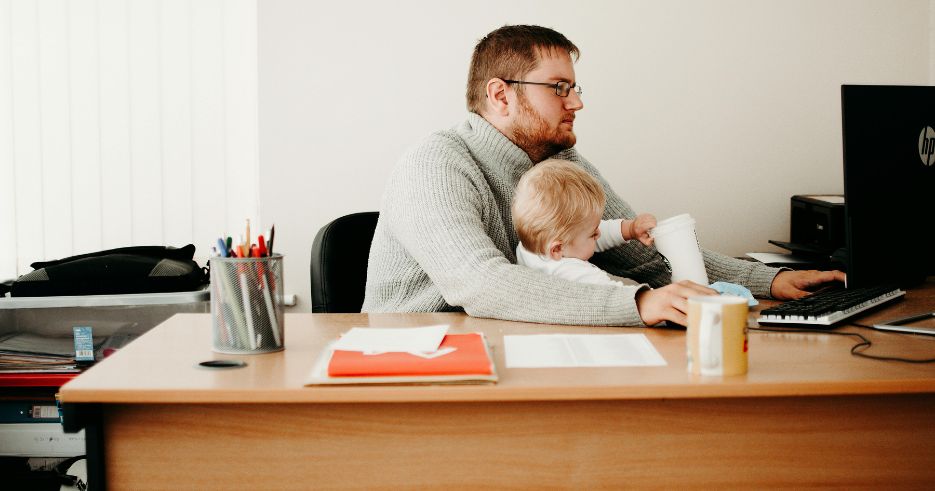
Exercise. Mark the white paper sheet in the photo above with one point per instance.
(834, 199)
(382, 339)
(580, 350)
(777, 258)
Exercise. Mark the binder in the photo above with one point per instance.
(28, 411)
(35, 379)
(466, 359)
(39, 440)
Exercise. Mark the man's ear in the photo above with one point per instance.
(555, 250)
(497, 102)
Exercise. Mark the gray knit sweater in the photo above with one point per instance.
(445, 241)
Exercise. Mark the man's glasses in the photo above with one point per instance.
(562, 89)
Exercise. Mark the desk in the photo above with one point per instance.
(807, 413)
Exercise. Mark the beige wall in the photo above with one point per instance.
(932, 42)
(723, 109)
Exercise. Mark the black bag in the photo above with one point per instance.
(142, 269)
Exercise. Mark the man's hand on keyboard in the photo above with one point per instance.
(790, 285)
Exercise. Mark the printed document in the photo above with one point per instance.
(580, 350)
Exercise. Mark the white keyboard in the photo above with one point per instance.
(828, 307)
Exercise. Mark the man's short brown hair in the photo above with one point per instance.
(510, 52)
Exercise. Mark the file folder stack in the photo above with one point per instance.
(30, 353)
(460, 358)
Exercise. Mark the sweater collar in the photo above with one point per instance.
(493, 148)
(496, 151)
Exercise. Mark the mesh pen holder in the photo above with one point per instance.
(247, 304)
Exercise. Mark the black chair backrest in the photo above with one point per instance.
(339, 262)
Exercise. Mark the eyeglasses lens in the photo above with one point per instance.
(562, 89)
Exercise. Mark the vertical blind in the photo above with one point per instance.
(125, 122)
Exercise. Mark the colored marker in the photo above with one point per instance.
(262, 248)
(222, 248)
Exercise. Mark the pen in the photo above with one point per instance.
(248, 312)
(228, 312)
(222, 248)
(272, 236)
(274, 323)
(223, 315)
(246, 243)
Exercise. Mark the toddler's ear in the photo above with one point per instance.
(555, 250)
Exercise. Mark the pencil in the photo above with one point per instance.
(248, 311)
(272, 312)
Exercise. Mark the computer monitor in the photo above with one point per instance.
(889, 183)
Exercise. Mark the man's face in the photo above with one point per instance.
(544, 123)
(584, 239)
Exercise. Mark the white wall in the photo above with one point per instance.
(723, 109)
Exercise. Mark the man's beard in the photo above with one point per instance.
(533, 135)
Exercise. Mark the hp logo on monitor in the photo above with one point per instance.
(927, 145)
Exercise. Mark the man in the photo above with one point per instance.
(445, 241)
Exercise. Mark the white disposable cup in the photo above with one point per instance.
(675, 239)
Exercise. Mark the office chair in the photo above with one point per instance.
(339, 262)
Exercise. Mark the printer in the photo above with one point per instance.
(816, 226)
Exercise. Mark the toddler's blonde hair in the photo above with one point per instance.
(551, 200)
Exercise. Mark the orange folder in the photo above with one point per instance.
(469, 358)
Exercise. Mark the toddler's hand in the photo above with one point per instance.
(640, 227)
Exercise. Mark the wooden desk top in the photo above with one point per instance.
(162, 365)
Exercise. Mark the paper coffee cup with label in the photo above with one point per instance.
(716, 335)
(675, 239)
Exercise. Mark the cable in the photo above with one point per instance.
(61, 473)
(856, 350)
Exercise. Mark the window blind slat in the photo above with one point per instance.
(54, 108)
(84, 70)
(145, 126)
(27, 145)
(209, 176)
(7, 184)
(241, 113)
(115, 124)
(176, 121)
